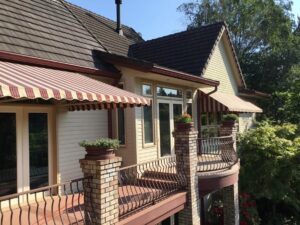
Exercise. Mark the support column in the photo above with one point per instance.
(186, 155)
(231, 205)
(101, 194)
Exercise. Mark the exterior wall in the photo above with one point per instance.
(135, 150)
(73, 127)
(246, 121)
(220, 68)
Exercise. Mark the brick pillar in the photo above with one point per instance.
(226, 130)
(101, 195)
(186, 156)
(231, 205)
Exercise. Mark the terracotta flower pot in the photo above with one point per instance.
(184, 126)
(98, 153)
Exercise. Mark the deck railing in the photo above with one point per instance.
(55, 204)
(144, 184)
(216, 153)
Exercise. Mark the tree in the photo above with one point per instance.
(273, 153)
(262, 33)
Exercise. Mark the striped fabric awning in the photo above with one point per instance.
(221, 102)
(21, 82)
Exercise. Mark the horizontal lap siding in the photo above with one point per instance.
(220, 69)
(72, 127)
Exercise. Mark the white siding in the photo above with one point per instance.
(73, 127)
(221, 69)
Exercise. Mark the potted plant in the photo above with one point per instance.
(184, 122)
(229, 120)
(103, 148)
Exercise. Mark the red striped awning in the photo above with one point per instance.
(20, 81)
(222, 102)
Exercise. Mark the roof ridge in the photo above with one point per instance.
(63, 2)
(91, 12)
(181, 32)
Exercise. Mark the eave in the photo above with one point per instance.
(146, 66)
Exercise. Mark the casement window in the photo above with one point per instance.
(121, 125)
(148, 116)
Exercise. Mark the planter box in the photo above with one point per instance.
(97, 153)
(184, 126)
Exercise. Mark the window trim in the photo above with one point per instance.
(153, 143)
(117, 127)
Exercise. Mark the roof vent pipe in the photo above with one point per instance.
(119, 26)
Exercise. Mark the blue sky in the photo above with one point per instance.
(152, 18)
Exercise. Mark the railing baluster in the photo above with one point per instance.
(149, 182)
(216, 153)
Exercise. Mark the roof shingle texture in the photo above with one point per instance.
(45, 29)
(104, 30)
(186, 51)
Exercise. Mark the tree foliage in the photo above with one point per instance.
(264, 34)
(270, 171)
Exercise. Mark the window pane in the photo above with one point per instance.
(8, 151)
(38, 149)
(168, 92)
(121, 126)
(188, 94)
(148, 124)
(189, 109)
(147, 89)
(164, 129)
(177, 111)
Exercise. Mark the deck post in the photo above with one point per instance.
(231, 205)
(186, 162)
(101, 195)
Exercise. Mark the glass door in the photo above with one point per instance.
(8, 153)
(25, 148)
(167, 112)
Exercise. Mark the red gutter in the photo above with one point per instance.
(183, 76)
(14, 57)
(146, 66)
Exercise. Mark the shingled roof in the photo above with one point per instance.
(187, 51)
(104, 30)
(58, 31)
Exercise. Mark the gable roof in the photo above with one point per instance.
(104, 30)
(188, 51)
(185, 51)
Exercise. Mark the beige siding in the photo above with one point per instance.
(221, 69)
(72, 127)
(246, 121)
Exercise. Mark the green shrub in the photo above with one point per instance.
(101, 143)
(230, 117)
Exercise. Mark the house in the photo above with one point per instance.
(67, 74)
